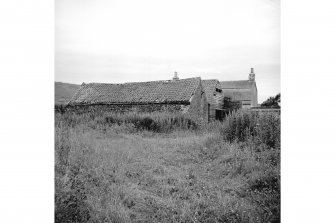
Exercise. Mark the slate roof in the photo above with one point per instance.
(209, 87)
(238, 95)
(244, 84)
(238, 90)
(170, 91)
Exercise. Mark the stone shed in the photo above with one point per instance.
(182, 95)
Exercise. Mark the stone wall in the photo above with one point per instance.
(211, 115)
(219, 98)
(254, 98)
(79, 109)
(199, 104)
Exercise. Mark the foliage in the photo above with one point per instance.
(108, 170)
(251, 126)
(272, 102)
(156, 121)
(231, 105)
(160, 122)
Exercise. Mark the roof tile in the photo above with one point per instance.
(244, 84)
(179, 91)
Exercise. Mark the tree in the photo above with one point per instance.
(272, 102)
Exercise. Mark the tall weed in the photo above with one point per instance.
(160, 122)
(247, 125)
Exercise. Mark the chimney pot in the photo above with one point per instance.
(252, 75)
(175, 77)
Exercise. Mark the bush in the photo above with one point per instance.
(247, 125)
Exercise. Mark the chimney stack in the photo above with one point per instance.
(175, 77)
(252, 75)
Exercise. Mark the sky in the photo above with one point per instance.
(117, 41)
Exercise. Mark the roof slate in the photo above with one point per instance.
(179, 91)
(238, 95)
(244, 84)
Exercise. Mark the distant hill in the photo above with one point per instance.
(64, 92)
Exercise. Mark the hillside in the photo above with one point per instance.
(64, 92)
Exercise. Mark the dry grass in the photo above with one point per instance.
(115, 175)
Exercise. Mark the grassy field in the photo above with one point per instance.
(167, 168)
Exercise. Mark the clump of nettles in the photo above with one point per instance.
(259, 127)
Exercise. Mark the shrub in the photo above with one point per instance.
(247, 125)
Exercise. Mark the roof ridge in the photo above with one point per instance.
(162, 81)
(234, 80)
(211, 80)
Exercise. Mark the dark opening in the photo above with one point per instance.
(219, 115)
(209, 112)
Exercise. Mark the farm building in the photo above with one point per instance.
(207, 99)
(184, 95)
(243, 91)
(215, 99)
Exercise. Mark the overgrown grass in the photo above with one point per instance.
(156, 122)
(106, 171)
(160, 122)
(246, 125)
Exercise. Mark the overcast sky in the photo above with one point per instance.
(116, 41)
